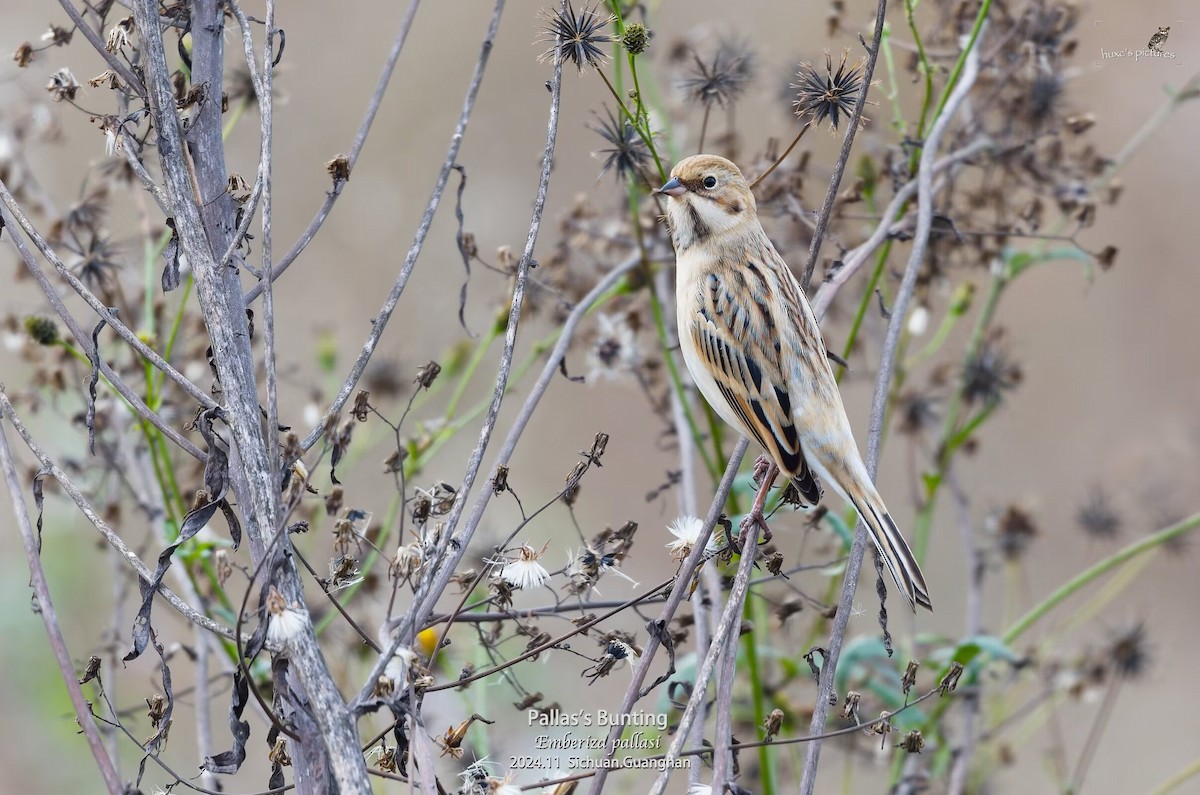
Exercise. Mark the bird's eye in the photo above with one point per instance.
(710, 182)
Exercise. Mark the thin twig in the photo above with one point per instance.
(379, 322)
(974, 613)
(266, 115)
(204, 746)
(98, 44)
(113, 539)
(196, 184)
(856, 257)
(878, 405)
(839, 167)
(360, 138)
(725, 636)
(659, 627)
(45, 608)
(83, 338)
(549, 371)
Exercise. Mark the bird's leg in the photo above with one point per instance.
(754, 519)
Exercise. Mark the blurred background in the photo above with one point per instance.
(1107, 404)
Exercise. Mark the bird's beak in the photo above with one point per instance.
(673, 187)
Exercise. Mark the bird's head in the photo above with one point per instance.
(706, 196)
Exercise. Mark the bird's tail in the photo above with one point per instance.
(892, 547)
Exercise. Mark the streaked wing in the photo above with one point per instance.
(735, 333)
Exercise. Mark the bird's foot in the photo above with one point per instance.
(755, 519)
(748, 528)
(762, 465)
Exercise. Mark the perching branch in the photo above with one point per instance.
(883, 381)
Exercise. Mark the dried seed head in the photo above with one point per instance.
(829, 95)
(627, 154)
(850, 706)
(913, 742)
(1097, 517)
(989, 374)
(721, 79)
(427, 374)
(773, 724)
(23, 55)
(339, 169)
(63, 85)
(917, 412)
(1014, 529)
(1128, 652)
(576, 37)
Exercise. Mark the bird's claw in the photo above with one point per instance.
(746, 529)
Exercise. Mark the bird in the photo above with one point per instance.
(1159, 39)
(753, 347)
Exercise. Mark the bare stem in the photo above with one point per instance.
(878, 405)
(839, 167)
(380, 321)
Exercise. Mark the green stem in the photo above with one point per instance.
(864, 305)
(465, 377)
(755, 611)
(1171, 784)
(642, 133)
(956, 72)
(946, 448)
(1089, 575)
(898, 123)
(176, 324)
(909, 9)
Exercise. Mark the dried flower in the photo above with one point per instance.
(686, 530)
(1014, 529)
(627, 153)
(407, 563)
(615, 651)
(576, 37)
(97, 262)
(525, 572)
(722, 79)
(615, 351)
(23, 55)
(427, 374)
(1041, 100)
(1128, 652)
(827, 95)
(773, 724)
(285, 622)
(916, 412)
(63, 85)
(339, 168)
(57, 37)
(118, 36)
(913, 742)
(1097, 517)
(989, 374)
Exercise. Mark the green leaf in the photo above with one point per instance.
(844, 531)
(974, 654)
(1017, 262)
(932, 481)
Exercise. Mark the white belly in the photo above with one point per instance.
(687, 290)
